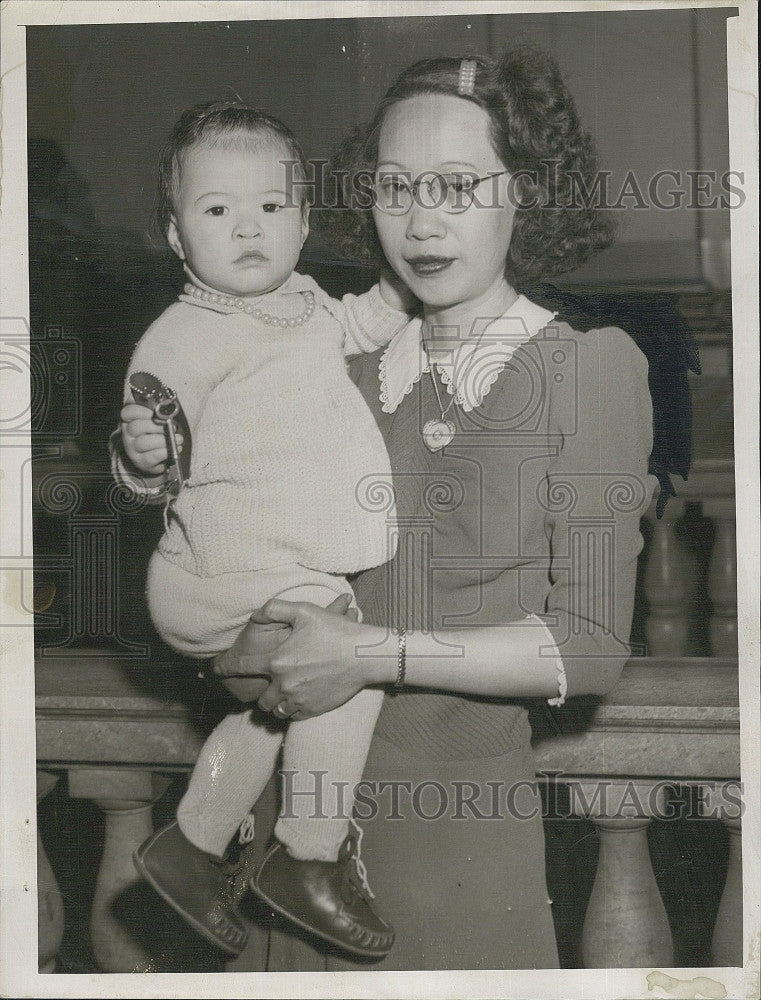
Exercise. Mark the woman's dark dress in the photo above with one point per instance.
(554, 458)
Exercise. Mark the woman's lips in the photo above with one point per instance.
(429, 266)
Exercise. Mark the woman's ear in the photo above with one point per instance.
(173, 238)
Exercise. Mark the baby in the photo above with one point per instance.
(283, 447)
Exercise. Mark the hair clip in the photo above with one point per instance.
(467, 82)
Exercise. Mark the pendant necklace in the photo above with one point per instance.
(437, 434)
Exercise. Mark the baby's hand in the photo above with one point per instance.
(395, 293)
(144, 440)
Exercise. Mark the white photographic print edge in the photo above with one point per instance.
(19, 976)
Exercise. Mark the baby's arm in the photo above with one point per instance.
(139, 451)
(138, 447)
(129, 450)
(371, 320)
(144, 440)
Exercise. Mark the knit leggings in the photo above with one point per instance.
(322, 758)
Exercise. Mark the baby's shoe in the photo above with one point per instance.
(195, 884)
(329, 898)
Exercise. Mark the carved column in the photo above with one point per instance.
(722, 577)
(723, 802)
(626, 924)
(667, 586)
(50, 914)
(127, 798)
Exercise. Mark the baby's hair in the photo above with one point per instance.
(220, 123)
(535, 129)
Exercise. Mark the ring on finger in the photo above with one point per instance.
(280, 711)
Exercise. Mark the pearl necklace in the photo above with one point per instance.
(245, 306)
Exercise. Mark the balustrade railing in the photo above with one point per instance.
(670, 723)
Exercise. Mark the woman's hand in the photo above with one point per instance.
(144, 439)
(245, 669)
(395, 293)
(316, 668)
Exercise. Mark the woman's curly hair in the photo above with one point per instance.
(536, 132)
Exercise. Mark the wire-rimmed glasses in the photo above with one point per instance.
(394, 193)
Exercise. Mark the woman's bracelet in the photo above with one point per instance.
(401, 659)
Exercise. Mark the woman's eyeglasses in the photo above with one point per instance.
(454, 193)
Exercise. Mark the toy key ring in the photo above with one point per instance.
(165, 410)
(151, 392)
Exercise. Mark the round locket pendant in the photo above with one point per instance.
(437, 434)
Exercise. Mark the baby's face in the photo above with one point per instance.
(235, 223)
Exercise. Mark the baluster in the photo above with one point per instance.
(666, 587)
(722, 578)
(50, 915)
(625, 924)
(127, 798)
(693, 527)
(727, 941)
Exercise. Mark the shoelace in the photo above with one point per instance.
(247, 830)
(240, 870)
(359, 864)
(239, 873)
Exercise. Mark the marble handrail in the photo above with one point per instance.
(118, 731)
(676, 717)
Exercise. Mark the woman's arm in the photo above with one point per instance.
(325, 661)
(597, 490)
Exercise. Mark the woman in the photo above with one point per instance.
(519, 449)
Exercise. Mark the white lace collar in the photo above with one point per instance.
(470, 369)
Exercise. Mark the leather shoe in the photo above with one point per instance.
(195, 884)
(329, 898)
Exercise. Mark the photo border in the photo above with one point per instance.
(18, 851)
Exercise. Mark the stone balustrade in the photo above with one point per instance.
(117, 736)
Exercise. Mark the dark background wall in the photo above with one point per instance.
(650, 85)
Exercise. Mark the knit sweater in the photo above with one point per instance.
(285, 453)
(533, 509)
